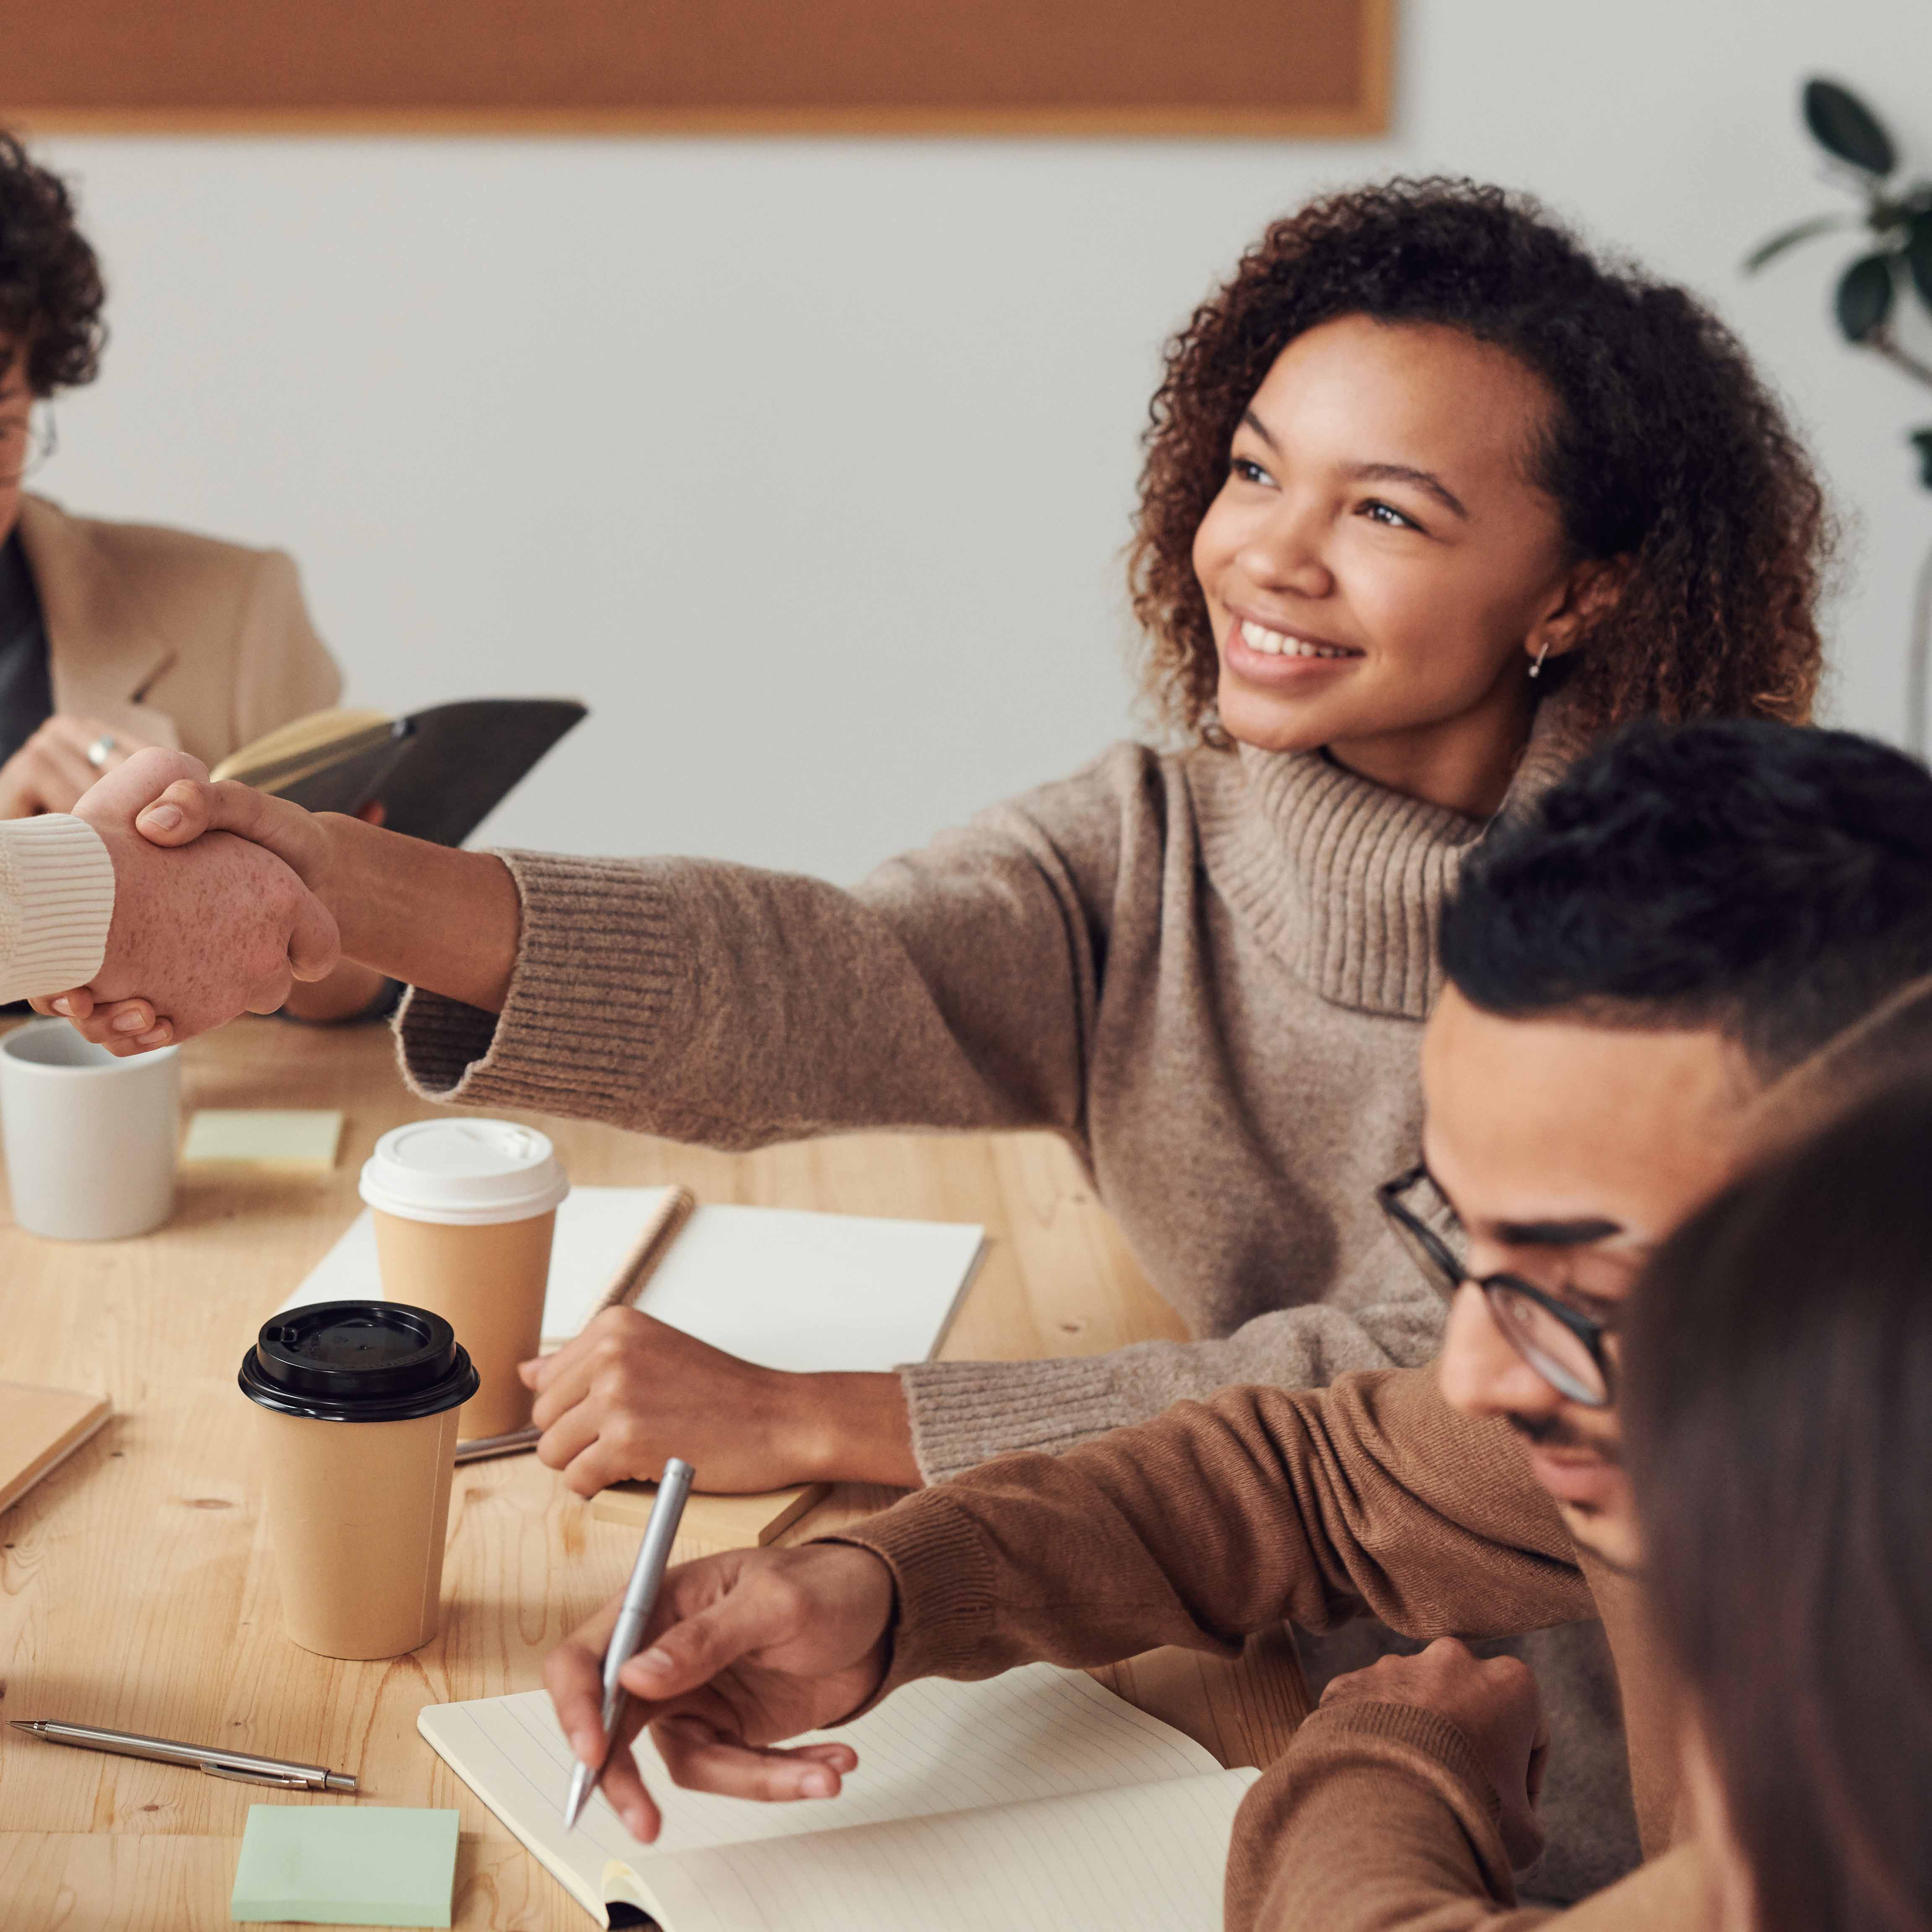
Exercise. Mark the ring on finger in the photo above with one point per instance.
(97, 752)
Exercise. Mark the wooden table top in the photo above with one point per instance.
(136, 1587)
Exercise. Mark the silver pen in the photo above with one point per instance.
(640, 1596)
(240, 1765)
(481, 1448)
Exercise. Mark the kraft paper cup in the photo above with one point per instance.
(357, 1402)
(464, 1212)
(90, 1139)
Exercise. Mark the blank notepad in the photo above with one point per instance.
(1037, 1800)
(773, 1285)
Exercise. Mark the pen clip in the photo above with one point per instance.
(259, 1777)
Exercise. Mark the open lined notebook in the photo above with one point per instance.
(1038, 1801)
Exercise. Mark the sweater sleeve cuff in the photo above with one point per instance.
(56, 905)
(1402, 1735)
(966, 1413)
(942, 1579)
(595, 958)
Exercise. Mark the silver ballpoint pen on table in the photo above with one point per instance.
(639, 1597)
(240, 1766)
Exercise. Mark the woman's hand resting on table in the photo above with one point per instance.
(631, 1391)
(742, 1650)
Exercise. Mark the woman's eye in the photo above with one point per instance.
(1247, 472)
(1386, 514)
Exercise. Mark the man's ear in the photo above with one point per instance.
(1589, 590)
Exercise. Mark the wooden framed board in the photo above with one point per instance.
(1132, 68)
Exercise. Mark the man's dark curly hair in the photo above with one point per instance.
(1772, 883)
(50, 286)
(1662, 446)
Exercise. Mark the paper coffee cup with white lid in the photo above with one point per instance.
(463, 1173)
(464, 1211)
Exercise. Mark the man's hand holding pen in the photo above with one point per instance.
(743, 1649)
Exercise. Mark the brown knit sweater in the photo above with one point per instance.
(1219, 1519)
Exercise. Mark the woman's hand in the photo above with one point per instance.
(1495, 1704)
(742, 1650)
(632, 1390)
(52, 770)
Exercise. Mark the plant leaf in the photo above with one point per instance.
(1919, 256)
(1921, 439)
(1771, 249)
(1865, 291)
(1843, 125)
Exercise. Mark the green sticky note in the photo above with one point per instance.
(298, 1139)
(331, 1864)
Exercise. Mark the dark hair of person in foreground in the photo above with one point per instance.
(50, 288)
(1771, 880)
(1662, 445)
(1778, 1424)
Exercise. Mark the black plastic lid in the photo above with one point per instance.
(357, 1361)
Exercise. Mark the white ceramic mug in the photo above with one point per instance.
(90, 1139)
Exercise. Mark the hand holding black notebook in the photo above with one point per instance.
(437, 774)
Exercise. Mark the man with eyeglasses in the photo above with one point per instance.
(1687, 918)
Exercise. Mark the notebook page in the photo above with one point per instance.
(783, 1289)
(1148, 1858)
(935, 1746)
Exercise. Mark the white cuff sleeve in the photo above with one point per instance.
(56, 904)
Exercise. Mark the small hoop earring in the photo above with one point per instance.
(1536, 669)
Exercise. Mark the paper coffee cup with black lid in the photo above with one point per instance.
(464, 1211)
(357, 1403)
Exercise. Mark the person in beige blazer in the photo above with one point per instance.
(158, 637)
(117, 637)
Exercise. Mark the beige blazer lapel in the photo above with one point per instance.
(102, 650)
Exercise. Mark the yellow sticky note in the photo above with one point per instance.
(292, 1140)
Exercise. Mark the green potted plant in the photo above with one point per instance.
(1893, 263)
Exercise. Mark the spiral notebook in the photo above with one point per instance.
(1037, 1801)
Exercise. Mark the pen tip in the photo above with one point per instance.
(23, 1724)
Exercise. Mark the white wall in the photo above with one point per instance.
(808, 464)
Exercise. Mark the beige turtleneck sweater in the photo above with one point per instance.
(1208, 970)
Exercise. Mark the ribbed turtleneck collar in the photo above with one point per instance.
(1340, 877)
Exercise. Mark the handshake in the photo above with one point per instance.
(216, 910)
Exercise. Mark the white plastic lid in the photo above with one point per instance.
(463, 1173)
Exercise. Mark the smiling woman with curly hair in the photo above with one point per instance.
(1657, 445)
(1423, 461)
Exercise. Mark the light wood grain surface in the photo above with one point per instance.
(136, 1588)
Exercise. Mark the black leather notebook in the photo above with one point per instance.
(437, 774)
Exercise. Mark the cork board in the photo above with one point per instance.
(935, 67)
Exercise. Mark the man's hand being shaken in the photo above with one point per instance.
(200, 935)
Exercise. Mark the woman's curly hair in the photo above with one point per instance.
(50, 286)
(1662, 446)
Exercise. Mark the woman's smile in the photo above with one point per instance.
(1276, 656)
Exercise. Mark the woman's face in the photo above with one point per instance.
(1379, 566)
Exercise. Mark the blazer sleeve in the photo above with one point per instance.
(282, 670)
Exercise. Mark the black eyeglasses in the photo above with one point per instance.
(1564, 1348)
